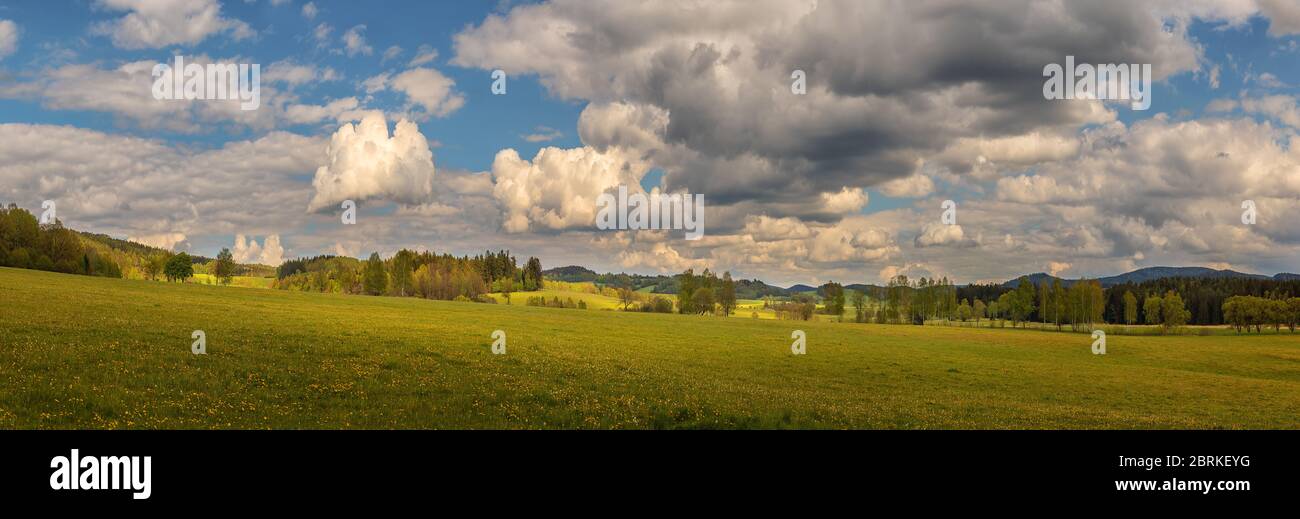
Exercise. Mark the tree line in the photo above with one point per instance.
(1243, 312)
(26, 243)
(705, 293)
(414, 274)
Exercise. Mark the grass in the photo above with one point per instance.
(238, 281)
(81, 352)
(594, 301)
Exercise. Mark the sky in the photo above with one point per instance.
(904, 105)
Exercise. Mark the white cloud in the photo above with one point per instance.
(1221, 105)
(1055, 268)
(559, 187)
(124, 92)
(845, 201)
(338, 110)
(913, 186)
(849, 241)
(542, 134)
(1284, 16)
(322, 33)
(1280, 107)
(425, 55)
(766, 228)
(879, 98)
(8, 38)
(354, 43)
(434, 93)
(390, 53)
(309, 10)
(152, 24)
(659, 257)
(294, 74)
(248, 251)
(148, 190)
(365, 162)
(935, 234)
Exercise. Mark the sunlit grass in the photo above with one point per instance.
(82, 352)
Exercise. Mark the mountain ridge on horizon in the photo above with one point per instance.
(1134, 276)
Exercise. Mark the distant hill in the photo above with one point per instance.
(1036, 279)
(130, 247)
(757, 289)
(658, 284)
(571, 274)
(868, 289)
(1153, 273)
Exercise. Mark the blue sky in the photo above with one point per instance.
(842, 184)
(469, 138)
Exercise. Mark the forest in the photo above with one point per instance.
(414, 274)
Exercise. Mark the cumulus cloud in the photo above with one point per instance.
(1284, 16)
(765, 228)
(1280, 107)
(878, 99)
(309, 10)
(364, 162)
(152, 24)
(433, 93)
(558, 188)
(846, 201)
(843, 243)
(248, 251)
(936, 234)
(913, 186)
(659, 257)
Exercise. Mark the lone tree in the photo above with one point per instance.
(179, 268)
(626, 296)
(224, 267)
(727, 294)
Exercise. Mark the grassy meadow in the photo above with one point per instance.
(83, 352)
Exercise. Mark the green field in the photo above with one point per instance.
(238, 281)
(82, 352)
